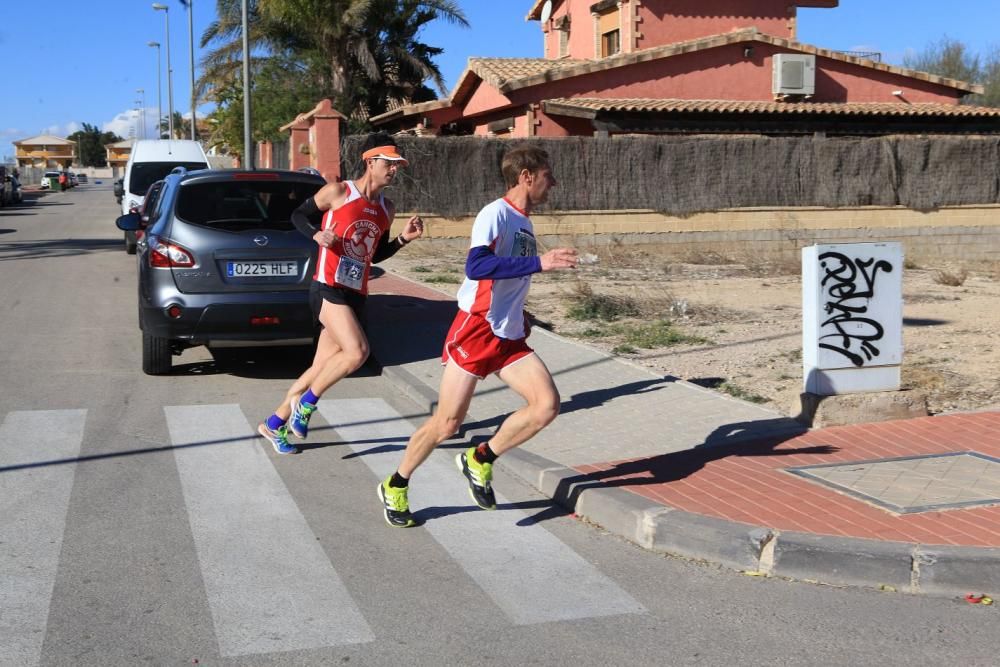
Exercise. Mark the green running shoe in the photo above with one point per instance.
(278, 438)
(299, 422)
(395, 505)
(480, 476)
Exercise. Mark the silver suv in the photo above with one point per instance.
(220, 262)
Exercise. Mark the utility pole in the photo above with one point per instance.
(190, 9)
(248, 152)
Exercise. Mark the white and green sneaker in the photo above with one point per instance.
(480, 477)
(395, 505)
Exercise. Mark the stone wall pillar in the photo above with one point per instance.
(265, 155)
(298, 145)
(314, 140)
(325, 140)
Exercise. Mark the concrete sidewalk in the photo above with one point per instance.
(911, 505)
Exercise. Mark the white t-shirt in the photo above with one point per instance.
(508, 232)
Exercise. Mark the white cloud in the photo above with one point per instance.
(129, 123)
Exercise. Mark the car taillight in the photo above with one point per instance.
(264, 321)
(165, 255)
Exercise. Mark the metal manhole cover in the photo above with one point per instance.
(911, 484)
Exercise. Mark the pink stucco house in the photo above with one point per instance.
(689, 66)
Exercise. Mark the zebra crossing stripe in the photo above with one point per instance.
(528, 572)
(33, 507)
(270, 585)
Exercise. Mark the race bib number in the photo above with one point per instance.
(524, 245)
(350, 273)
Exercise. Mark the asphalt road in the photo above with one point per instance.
(142, 522)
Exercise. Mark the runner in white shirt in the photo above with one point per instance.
(488, 336)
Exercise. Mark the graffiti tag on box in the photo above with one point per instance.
(849, 285)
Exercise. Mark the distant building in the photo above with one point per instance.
(689, 66)
(44, 151)
(118, 152)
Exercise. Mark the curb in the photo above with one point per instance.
(937, 570)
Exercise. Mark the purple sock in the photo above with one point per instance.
(309, 397)
(274, 422)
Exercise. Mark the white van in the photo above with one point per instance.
(151, 160)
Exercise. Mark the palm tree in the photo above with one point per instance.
(352, 48)
(182, 127)
(403, 62)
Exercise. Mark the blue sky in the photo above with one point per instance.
(102, 46)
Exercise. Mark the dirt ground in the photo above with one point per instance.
(736, 324)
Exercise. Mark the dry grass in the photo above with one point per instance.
(942, 277)
(586, 305)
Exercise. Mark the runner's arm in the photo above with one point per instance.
(329, 196)
(482, 264)
(301, 215)
(386, 248)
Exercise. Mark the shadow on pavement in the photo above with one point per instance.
(735, 439)
(584, 400)
(403, 329)
(55, 248)
(260, 363)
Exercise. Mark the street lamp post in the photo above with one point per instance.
(142, 101)
(248, 152)
(159, 89)
(170, 72)
(190, 10)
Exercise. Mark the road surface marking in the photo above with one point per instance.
(270, 585)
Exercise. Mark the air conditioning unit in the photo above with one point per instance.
(794, 74)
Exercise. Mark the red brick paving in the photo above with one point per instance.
(749, 484)
(390, 284)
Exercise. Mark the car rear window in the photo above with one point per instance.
(144, 174)
(242, 205)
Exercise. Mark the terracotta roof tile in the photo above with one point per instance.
(498, 72)
(590, 105)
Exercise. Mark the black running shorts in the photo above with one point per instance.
(320, 292)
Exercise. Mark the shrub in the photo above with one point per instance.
(590, 306)
(951, 279)
(439, 278)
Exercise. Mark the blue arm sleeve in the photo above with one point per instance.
(483, 264)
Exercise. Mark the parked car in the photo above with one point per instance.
(49, 179)
(119, 190)
(6, 188)
(16, 196)
(221, 263)
(73, 180)
(145, 213)
(82, 178)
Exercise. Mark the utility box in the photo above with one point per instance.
(852, 317)
(794, 74)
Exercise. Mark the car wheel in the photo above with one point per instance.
(130, 242)
(156, 355)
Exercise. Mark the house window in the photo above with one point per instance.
(608, 28)
(562, 25)
(610, 43)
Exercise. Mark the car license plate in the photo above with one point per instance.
(261, 269)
